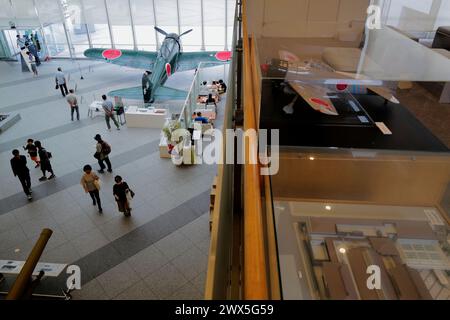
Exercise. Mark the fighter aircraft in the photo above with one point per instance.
(162, 64)
(317, 82)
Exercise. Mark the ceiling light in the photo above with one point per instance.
(312, 158)
(328, 208)
(17, 250)
(342, 250)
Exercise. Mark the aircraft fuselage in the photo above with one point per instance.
(166, 62)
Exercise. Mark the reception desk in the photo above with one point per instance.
(145, 118)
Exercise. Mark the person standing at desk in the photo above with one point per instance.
(200, 118)
(211, 100)
(147, 87)
(61, 82)
(20, 170)
(108, 107)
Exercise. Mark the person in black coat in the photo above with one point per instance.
(45, 162)
(20, 170)
(120, 191)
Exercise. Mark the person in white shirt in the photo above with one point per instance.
(21, 42)
(61, 82)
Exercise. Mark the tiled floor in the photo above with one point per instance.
(161, 251)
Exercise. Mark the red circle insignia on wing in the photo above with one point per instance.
(223, 55)
(111, 54)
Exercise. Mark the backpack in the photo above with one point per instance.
(106, 148)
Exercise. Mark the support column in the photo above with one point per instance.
(156, 24)
(132, 26)
(203, 25)
(88, 32)
(178, 16)
(113, 45)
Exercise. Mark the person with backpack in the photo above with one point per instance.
(122, 193)
(91, 184)
(45, 157)
(103, 149)
(32, 151)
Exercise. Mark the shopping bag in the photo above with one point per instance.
(98, 184)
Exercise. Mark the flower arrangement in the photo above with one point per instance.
(170, 127)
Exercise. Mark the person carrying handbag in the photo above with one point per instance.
(122, 193)
(91, 184)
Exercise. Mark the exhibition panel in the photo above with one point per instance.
(362, 176)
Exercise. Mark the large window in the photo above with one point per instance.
(97, 21)
(51, 17)
(76, 26)
(191, 19)
(144, 23)
(166, 16)
(119, 17)
(214, 21)
(72, 26)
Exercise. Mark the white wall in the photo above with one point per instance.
(302, 18)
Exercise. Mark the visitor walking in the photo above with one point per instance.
(32, 152)
(20, 170)
(32, 60)
(123, 195)
(103, 149)
(91, 184)
(108, 107)
(73, 104)
(61, 82)
(44, 156)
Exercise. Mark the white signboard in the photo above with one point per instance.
(14, 267)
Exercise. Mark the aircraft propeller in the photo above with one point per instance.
(161, 31)
(165, 33)
(186, 32)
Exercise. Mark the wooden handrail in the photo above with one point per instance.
(23, 279)
(255, 268)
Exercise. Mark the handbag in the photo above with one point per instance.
(97, 184)
(57, 87)
(97, 155)
(130, 194)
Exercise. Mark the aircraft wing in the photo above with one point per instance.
(127, 58)
(315, 96)
(385, 93)
(191, 60)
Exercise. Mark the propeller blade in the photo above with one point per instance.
(186, 32)
(161, 31)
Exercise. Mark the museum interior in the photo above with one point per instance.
(255, 150)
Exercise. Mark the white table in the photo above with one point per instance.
(145, 118)
(96, 109)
